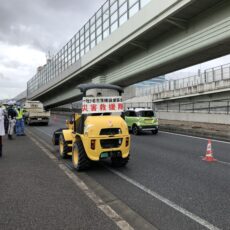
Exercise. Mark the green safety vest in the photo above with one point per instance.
(20, 114)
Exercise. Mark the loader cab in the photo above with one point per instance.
(99, 100)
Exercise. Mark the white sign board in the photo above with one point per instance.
(102, 105)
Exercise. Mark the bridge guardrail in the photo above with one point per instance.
(209, 107)
(211, 79)
(213, 107)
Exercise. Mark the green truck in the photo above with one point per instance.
(141, 119)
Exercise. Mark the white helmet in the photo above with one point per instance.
(11, 102)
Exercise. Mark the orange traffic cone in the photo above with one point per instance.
(209, 155)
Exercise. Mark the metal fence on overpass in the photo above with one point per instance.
(107, 19)
(211, 79)
(214, 107)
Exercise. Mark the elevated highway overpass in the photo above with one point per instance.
(161, 37)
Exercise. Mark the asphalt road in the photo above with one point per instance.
(36, 194)
(166, 182)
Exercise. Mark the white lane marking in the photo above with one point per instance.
(201, 138)
(223, 162)
(166, 201)
(39, 129)
(100, 204)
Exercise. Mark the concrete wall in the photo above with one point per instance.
(195, 117)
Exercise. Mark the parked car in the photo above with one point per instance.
(141, 119)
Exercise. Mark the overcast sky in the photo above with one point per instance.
(29, 30)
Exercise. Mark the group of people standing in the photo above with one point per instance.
(11, 121)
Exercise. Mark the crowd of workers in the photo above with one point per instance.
(11, 121)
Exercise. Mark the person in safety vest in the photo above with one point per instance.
(11, 120)
(20, 122)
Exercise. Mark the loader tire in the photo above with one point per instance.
(56, 136)
(63, 147)
(55, 139)
(119, 161)
(79, 157)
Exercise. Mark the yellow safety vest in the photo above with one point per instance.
(20, 114)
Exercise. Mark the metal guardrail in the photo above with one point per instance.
(107, 19)
(215, 74)
(214, 107)
(208, 107)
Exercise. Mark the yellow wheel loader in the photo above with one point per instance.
(100, 132)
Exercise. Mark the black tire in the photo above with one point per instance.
(119, 161)
(63, 147)
(83, 161)
(55, 139)
(155, 131)
(135, 130)
(56, 136)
